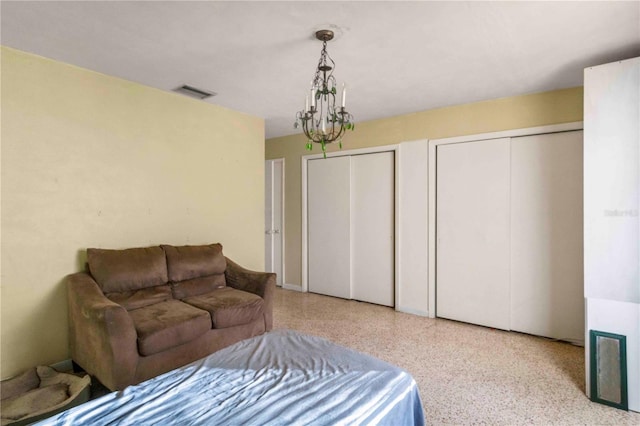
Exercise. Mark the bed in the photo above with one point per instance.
(279, 378)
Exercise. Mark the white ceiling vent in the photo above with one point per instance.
(194, 92)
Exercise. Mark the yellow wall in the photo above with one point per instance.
(560, 106)
(90, 160)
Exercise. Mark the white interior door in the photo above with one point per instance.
(274, 218)
(472, 225)
(546, 235)
(372, 228)
(268, 216)
(329, 242)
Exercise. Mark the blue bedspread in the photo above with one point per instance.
(279, 378)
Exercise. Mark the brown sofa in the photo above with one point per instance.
(140, 312)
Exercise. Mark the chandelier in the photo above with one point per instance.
(321, 121)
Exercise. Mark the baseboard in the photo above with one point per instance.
(293, 287)
(63, 366)
(412, 311)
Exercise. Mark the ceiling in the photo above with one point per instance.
(396, 57)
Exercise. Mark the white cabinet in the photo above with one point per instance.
(509, 234)
(612, 181)
(611, 205)
(350, 216)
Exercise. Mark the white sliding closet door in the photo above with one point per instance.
(472, 266)
(329, 242)
(372, 228)
(351, 227)
(546, 235)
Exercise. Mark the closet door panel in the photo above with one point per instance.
(472, 266)
(547, 235)
(372, 228)
(329, 243)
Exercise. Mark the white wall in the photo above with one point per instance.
(519, 112)
(413, 290)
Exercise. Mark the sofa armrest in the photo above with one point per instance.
(261, 283)
(102, 337)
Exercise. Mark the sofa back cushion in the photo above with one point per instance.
(118, 271)
(197, 286)
(189, 262)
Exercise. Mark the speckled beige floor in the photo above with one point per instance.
(466, 374)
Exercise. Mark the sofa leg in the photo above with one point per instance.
(97, 388)
(76, 367)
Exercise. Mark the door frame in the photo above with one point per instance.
(431, 205)
(282, 227)
(396, 224)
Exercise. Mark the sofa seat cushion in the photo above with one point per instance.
(129, 269)
(188, 262)
(229, 307)
(140, 298)
(168, 324)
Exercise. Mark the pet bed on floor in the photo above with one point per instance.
(39, 393)
(279, 378)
